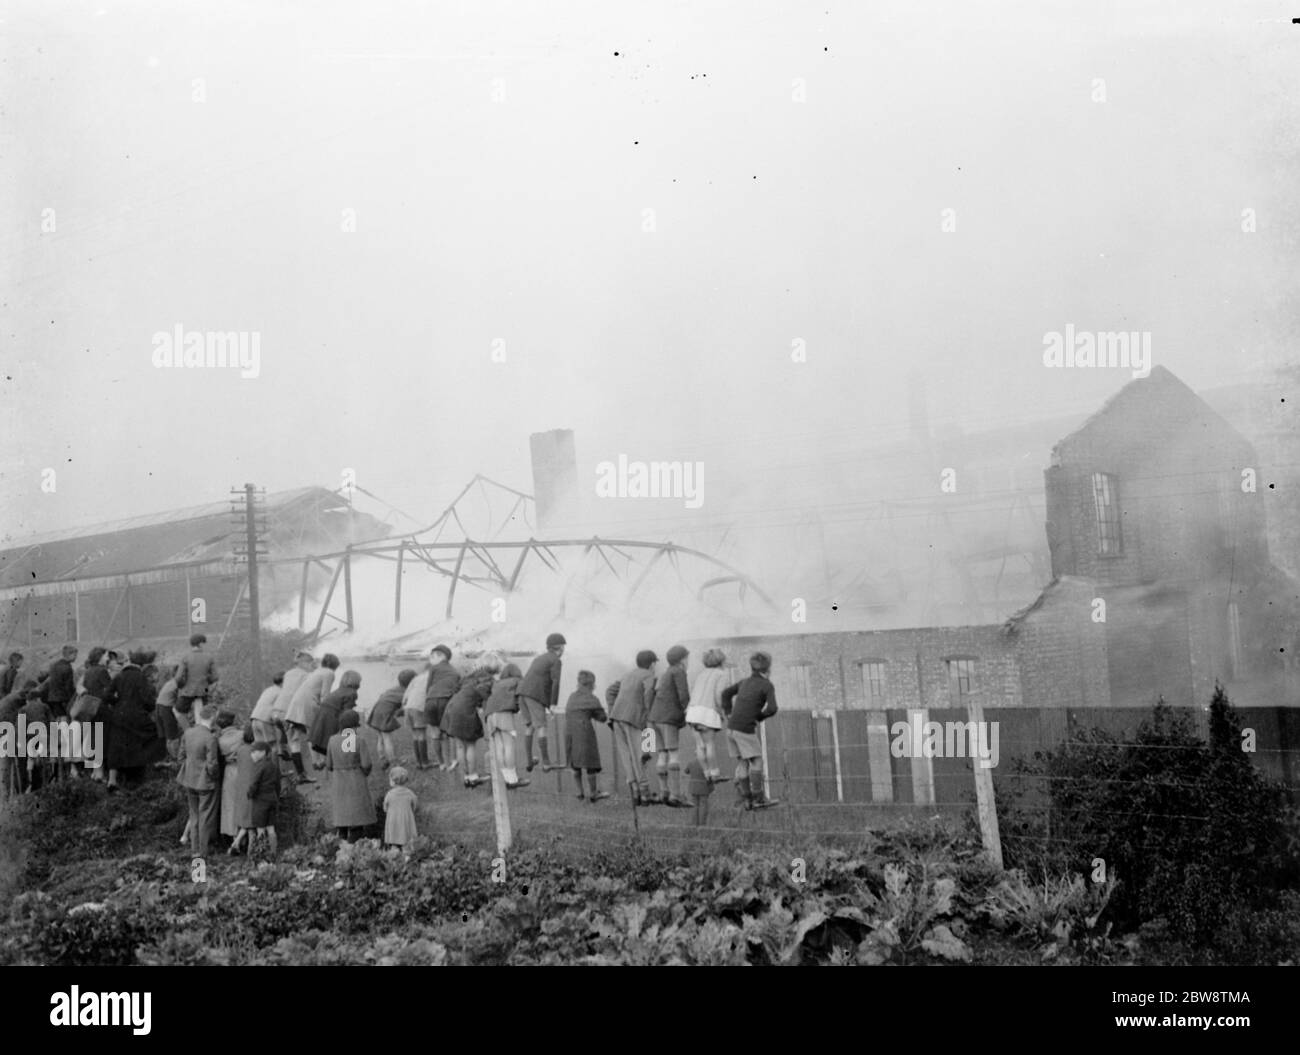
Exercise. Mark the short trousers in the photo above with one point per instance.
(264, 731)
(745, 746)
(703, 718)
(669, 736)
(534, 714)
(435, 709)
(416, 720)
(499, 722)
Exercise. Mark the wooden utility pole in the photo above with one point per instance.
(988, 812)
(254, 524)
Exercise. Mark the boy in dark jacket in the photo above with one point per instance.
(383, 717)
(668, 714)
(747, 703)
(580, 744)
(443, 684)
(264, 792)
(538, 693)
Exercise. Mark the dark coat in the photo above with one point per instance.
(749, 702)
(542, 682)
(443, 684)
(504, 698)
(97, 680)
(61, 686)
(350, 799)
(326, 722)
(263, 794)
(671, 697)
(461, 718)
(131, 733)
(383, 715)
(580, 746)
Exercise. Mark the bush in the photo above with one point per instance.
(1188, 827)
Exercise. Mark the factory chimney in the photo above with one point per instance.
(555, 479)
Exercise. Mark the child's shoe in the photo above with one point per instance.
(599, 795)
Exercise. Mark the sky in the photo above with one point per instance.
(450, 225)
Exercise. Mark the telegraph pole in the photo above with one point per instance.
(254, 523)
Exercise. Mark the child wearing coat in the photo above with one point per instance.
(499, 720)
(264, 794)
(460, 720)
(399, 810)
(384, 720)
(348, 759)
(580, 746)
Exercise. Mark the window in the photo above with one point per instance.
(801, 682)
(873, 683)
(961, 678)
(1105, 498)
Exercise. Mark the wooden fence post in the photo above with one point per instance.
(500, 804)
(988, 812)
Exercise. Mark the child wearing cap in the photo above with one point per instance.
(628, 714)
(539, 692)
(443, 684)
(580, 745)
(668, 706)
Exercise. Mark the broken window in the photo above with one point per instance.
(1105, 498)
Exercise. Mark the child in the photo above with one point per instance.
(165, 712)
(499, 720)
(668, 705)
(580, 746)
(383, 717)
(348, 759)
(539, 692)
(443, 684)
(627, 722)
(461, 721)
(241, 805)
(700, 787)
(399, 810)
(746, 704)
(704, 715)
(263, 711)
(264, 794)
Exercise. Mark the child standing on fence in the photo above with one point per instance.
(462, 724)
(399, 810)
(704, 715)
(539, 692)
(580, 745)
(747, 703)
(383, 717)
(668, 706)
(443, 684)
(628, 720)
(499, 721)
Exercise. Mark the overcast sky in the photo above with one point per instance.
(196, 163)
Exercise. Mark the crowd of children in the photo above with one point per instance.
(229, 771)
